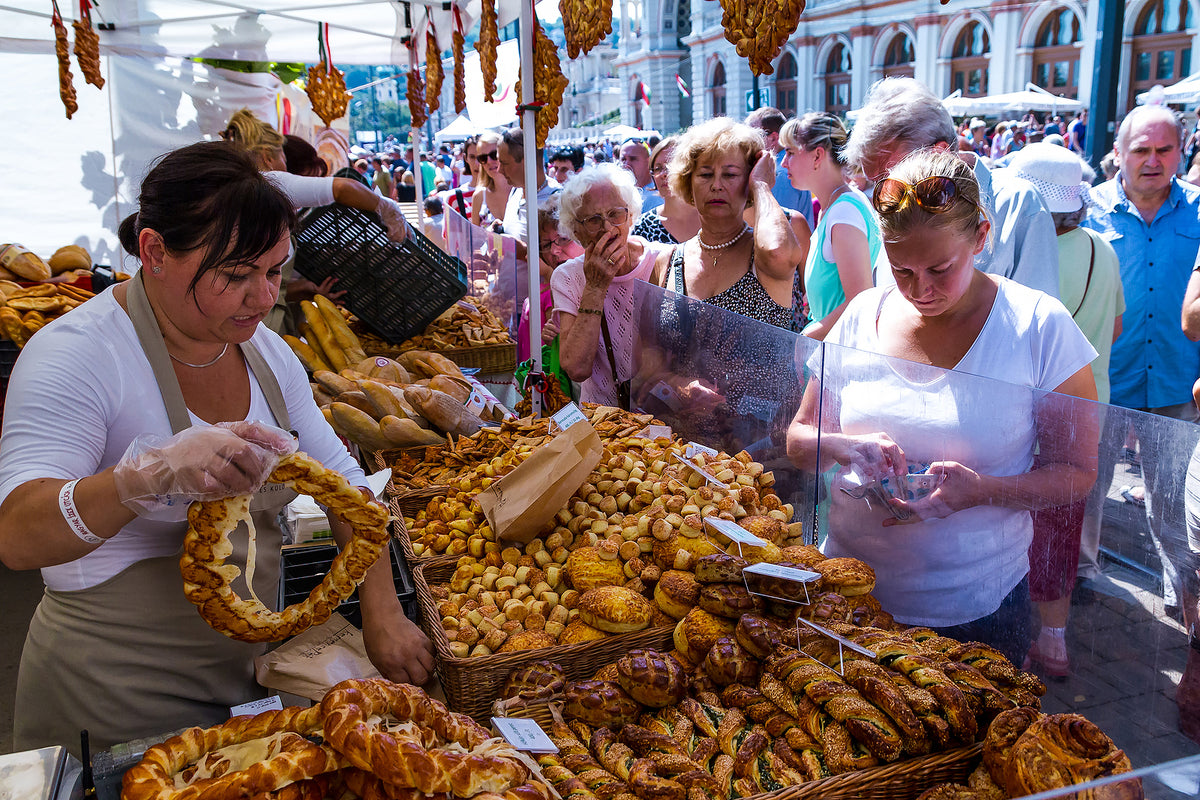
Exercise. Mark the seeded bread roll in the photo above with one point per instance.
(719, 568)
(846, 576)
(651, 678)
(729, 600)
(677, 593)
(615, 609)
(527, 640)
(599, 703)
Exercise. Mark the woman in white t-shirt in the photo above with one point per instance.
(593, 294)
(846, 245)
(966, 354)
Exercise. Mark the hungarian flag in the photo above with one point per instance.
(644, 91)
(683, 87)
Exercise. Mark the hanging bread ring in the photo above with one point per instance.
(207, 578)
(405, 750)
(244, 757)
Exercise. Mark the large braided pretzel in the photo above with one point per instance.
(207, 578)
(440, 751)
(244, 757)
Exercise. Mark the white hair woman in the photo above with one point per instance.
(593, 294)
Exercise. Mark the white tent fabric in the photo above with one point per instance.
(1186, 91)
(1032, 98)
(461, 128)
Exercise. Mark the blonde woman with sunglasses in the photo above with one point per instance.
(490, 203)
(955, 559)
(845, 246)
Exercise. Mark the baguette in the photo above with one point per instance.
(320, 396)
(440, 365)
(382, 399)
(333, 383)
(358, 426)
(359, 401)
(23, 263)
(401, 432)
(457, 388)
(443, 411)
(342, 335)
(310, 358)
(324, 337)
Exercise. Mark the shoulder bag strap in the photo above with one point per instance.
(622, 388)
(1091, 266)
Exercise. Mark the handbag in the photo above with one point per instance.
(623, 387)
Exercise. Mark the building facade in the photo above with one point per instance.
(841, 47)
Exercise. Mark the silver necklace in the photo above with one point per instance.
(220, 355)
(740, 234)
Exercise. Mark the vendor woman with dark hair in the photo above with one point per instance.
(176, 390)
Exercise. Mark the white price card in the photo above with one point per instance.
(734, 532)
(567, 416)
(782, 572)
(655, 432)
(694, 449)
(708, 476)
(524, 734)
(841, 641)
(476, 403)
(272, 703)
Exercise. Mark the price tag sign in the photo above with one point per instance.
(655, 432)
(734, 532)
(273, 703)
(841, 641)
(524, 734)
(708, 476)
(476, 403)
(567, 416)
(693, 449)
(778, 582)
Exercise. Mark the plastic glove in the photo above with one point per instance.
(393, 219)
(159, 478)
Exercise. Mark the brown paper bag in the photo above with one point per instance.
(518, 505)
(311, 662)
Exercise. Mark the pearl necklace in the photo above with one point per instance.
(740, 234)
(220, 355)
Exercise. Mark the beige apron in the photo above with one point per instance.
(131, 657)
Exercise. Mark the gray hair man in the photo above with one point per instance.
(901, 115)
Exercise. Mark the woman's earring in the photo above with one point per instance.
(156, 270)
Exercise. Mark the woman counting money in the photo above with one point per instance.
(170, 391)
(955, 559)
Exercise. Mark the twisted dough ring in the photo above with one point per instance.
(284, 758)
(411, 759)
(206, 577)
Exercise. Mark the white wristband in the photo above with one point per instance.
(66, 504)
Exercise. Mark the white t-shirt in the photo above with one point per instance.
(83, 389)
(304, 191)
(847, 214)
(567, 284)
(953, 570)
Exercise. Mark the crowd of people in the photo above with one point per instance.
(947, 250)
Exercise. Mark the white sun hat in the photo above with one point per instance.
(1055, 172)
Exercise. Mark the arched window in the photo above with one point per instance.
(1162, 48)
(785, 85)
(1056, 53)
(837, 80)
(899, 59)
(716, 91)
(969, 61)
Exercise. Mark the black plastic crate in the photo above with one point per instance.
(395, 289)
(304, 567)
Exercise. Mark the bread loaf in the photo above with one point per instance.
(24, 263)
(653, 679)
(69, 257)
(599, 703)
(615, 609)
(676, 593)
(443, 411)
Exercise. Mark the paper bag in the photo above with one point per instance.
(520, 504)
(311, 662)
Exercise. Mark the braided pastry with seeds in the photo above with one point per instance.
(434, 73)
(66, 88)
(87, 51)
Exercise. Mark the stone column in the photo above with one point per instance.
(862, 40)
(1003, 62)
(928, 68)
(808, 93)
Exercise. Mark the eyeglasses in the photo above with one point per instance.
(549, 244)
(595, 223)
(659, 172)
(485, 157)
(935, 194)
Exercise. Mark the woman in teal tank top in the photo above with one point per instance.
(846, 242)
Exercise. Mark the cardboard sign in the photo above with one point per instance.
(524, 734)
(518, 505)
(273, 703)
(734, 532)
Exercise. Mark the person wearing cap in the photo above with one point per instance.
(1090, 288)
(1152, 220)
(978, 138)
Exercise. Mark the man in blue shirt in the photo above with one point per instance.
(1152, 220)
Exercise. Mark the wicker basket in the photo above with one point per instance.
(472, 684)
(489, 359)
(407, 504)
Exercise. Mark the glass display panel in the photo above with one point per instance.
(496, 277)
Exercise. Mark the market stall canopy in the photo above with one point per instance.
(1187, 91)
(1031, 98)
(361, 31)
(461, 128)
(623, 132)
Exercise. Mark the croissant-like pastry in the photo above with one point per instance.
(1061, 750)
(1002, 734)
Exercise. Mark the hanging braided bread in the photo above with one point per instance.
(434, 73)
(487, 45)
(87, 49)
(66, 88)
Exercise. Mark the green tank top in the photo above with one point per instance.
(822, 284)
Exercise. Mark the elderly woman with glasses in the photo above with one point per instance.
(952, 556)
(845, 247)
(593, 294)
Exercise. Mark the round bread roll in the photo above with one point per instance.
(728, 662)
(677, 593)
(587, 570)
(615, 609)
(651, 678)
(534, 681)
(846, 576)
(758, 635)
(766, 528)
(729, 600)
(698, 631)
(599, 703)
(803, 555)
(578, 631)
(527, 640)
(606, 673)
(719, 568)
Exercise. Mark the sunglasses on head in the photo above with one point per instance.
(935, 194)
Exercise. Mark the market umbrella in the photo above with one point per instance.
(623, 132)
(1186, 91)
(461, 128)
(1031, 98)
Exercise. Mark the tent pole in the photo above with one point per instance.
(529, 126)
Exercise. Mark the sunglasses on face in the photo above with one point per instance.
(936, 194)
(485, 157)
